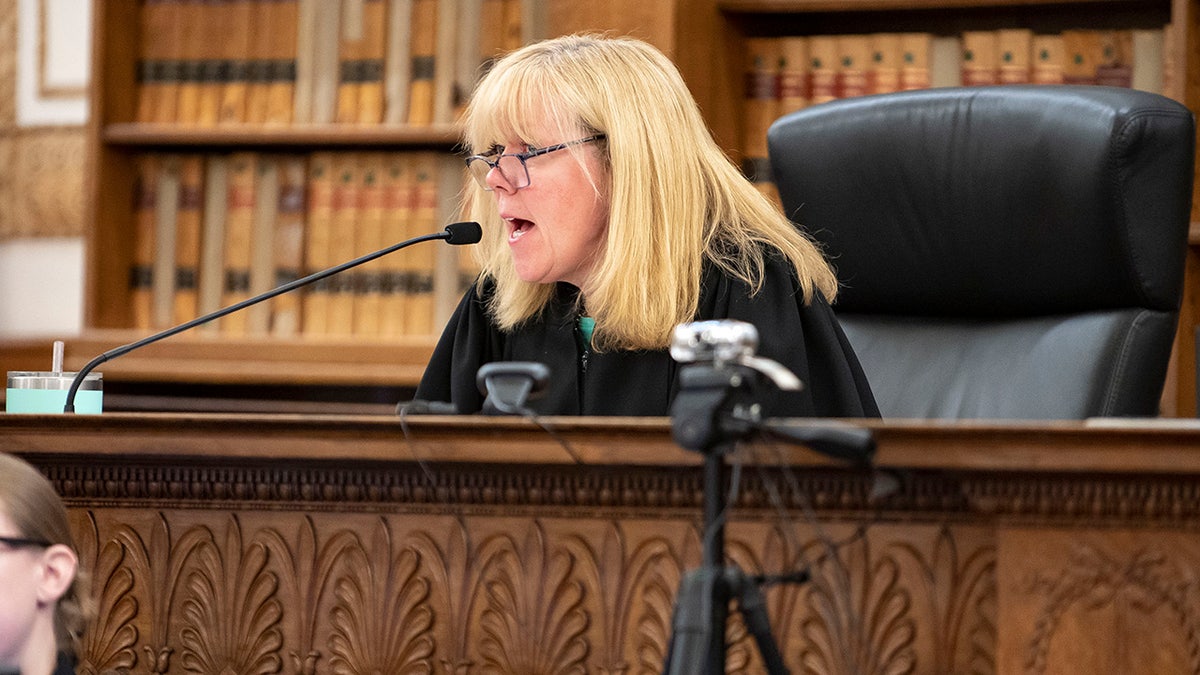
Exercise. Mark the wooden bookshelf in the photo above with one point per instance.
(706, 39)
(116, 139)
(742, 19)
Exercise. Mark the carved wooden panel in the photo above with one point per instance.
(502, 569)
(217, 591)
(1111, 601)
(254, 545)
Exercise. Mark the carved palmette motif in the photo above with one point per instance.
(225, 593)
(329, 571)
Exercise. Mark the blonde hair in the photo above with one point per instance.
(676, 199)
(36, 510)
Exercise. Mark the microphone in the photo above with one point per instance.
(509, 384)
(455, 234)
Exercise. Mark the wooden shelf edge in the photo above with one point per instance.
(130, 134)
(806, 6)
(225, 360)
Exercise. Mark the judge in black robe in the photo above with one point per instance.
(806, 339)
(601, 192)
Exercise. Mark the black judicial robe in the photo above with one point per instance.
(806, 339)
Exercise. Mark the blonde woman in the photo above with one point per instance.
(40, 616)
(610, 216)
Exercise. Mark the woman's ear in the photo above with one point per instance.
(59, 564)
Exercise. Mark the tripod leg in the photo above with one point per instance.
(698, 626)
(753, 607)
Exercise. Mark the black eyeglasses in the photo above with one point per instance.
(512, 166)
(22, 542)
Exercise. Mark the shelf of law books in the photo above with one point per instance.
(788, 54)
(240, 144)
(210, 64)
(214, 229)
(786, 73)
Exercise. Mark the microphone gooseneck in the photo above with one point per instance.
(456, 234)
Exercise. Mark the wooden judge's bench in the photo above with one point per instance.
(300, 544)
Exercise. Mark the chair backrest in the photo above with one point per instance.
(1005, 251)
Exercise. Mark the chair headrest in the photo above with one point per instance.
(999, 200)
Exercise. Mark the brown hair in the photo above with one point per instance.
(38, 513)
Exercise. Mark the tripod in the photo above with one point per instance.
(713, 410)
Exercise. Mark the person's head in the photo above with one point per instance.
(38, 570)
(629, 216)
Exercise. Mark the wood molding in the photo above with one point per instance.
(295, 544)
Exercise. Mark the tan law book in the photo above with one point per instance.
(158, 61)
(237, 60)
(854, 63)
(371, 98)
(915, 50)
(1082, 53)
(369, 237)
(192, 16)
(212, 239)
(187, 237)
(360, 62)
(325, 40)
(166, 215)
(1014, 55)
(466, 52)
(215, 53)
(1048, 59)
(303, 91)
(398, 184)
(1148, 62)
(794, 85)
(397, 61)
(423, 69)
(979, 58)
(422, 261)
(945, 61)
(258, 59)
(445, 71)
(239, 237)
(883, 74)
(262, 242)
(317, 231)
(351, 54)
(823, 69)
(760, 107)
(281, 53)
(288, 246)
(1115, 67)
(347, 186)
(141, 272)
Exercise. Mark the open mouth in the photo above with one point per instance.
(519, 228)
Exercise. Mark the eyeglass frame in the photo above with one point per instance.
(522, 157)
(24, 542)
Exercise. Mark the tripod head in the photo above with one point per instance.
(717, 403)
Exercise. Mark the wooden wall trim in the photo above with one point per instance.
(288, 544)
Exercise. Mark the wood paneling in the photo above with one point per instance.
(261, 544)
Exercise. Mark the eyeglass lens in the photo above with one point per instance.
(512, 169)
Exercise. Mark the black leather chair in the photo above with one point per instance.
(1005, 252)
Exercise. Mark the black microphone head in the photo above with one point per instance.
(467, 232)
